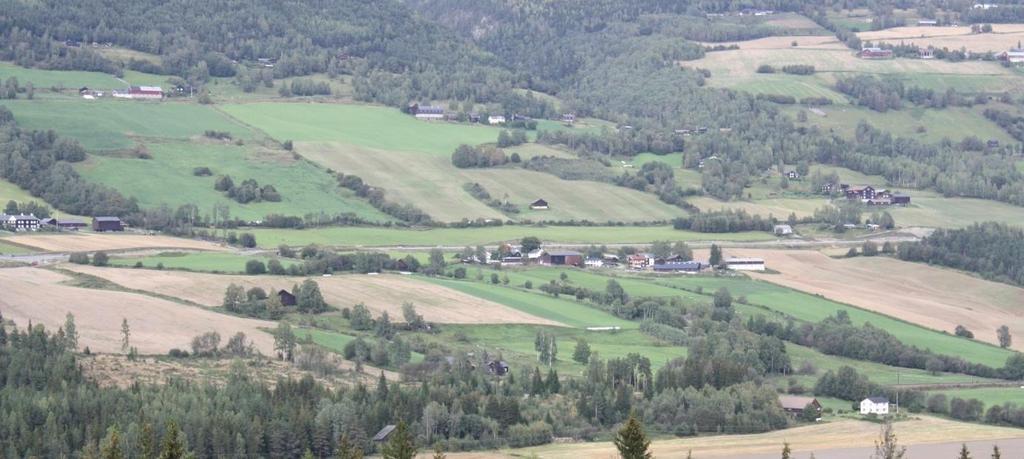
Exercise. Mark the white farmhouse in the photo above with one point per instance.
(745, 264)
(874, 405)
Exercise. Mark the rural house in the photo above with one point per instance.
(860, 192)
(593, 262)
(1013, 56)
(100, 224)
(497, 367)
(793, 175)
(287, 299)
(745, 264)
(568, 118)
(795, 405)
(562, 258)
(70, 225)
(496, 119)
(20, 222)
(874, 405)
(141, 92)
(875, 53)
(539, 204)
(782, 230)
(639, 261)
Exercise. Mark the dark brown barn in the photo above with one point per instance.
(794, 404)
(567, 258)
(100, 224)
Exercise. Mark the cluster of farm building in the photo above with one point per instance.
(29, 222)
(867, 194)
(512, 255)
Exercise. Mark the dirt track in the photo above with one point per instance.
(386, 292)
(91, 242)
(933, 297)
(36, 295)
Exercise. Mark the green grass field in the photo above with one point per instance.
(803, 306)
(12, 249)
(197, 261)
(336, 341)
(461, 237)
(953, 123)
(360, 125)
(47, 79)
(304, 187)
(11, 192)
(563, 310)
(116, 124)
(988, 395)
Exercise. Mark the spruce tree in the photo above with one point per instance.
(148, 442)
(401, 444)
(346, 450)
(111, 448)
(631, 441)
(716, 255)
(553, 384)
(125, 335)
(70, 332)
(439, 451)
(996, 454)
(173, 446)
(964, 453)
(786, 452)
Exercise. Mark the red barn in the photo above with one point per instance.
(875, 53)
(145, 92)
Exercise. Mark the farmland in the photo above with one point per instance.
(1002, 37)
(431, 183)
(304, 188)
(98, 314)
(196, 261)
(461, 237)
(378, 293)
(90, 242)
(122, 124)
(47, 79)
(931, 297)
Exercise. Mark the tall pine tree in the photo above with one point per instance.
(631, 441)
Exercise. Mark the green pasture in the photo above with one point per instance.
(168, 178)
(11, 192)
(813, 308)
(461, 237)
(789, 85)
(197, 261)
(360, 125)
(7, 248)
(335, 341)
(563, 310)
(878, 373)
(926, 125)
(67, 79)
(119, 124)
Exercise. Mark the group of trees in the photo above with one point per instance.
(481, 194)
(248, 191)
(266, 304)
(26, 208)
(723, 221)
(483, 156)
(993, 250)
(375, 196)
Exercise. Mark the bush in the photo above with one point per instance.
(100, 259)
(80, 258)
(247, 240)
(202, 172)
(255, 267)
(765, 68)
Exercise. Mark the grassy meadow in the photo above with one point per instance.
(461, 237)
(304, 187)
(60, 79)
(221, 262)
(926, 125)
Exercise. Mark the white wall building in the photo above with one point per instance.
(496, 119)
(745, 264)
(874, 405)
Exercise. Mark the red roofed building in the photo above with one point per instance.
(141, 92)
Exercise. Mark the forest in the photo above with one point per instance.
(992, 250)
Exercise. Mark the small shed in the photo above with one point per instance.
(287, 299)
(783, 230)
(539, 204)
(794, 404)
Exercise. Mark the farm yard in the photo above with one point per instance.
(932, 297)
(378, 293)
(1002, 37)
(98, 314)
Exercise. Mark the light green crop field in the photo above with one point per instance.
(114, 124)
(953, 123)
(197, 261)
(368, 126)
(803, 306)
(46, 79)
(432, 183)
(168, 179)
(988, 395)
(789, 85)
(878, 373)
(562, 310)
(461, 237)
(516, 344)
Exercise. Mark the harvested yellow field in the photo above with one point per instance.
(826, 440)
(1003, 37)
(929, 296)
(386, 292)
(38, 295)
(91, 242)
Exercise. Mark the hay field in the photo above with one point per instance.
(91, 242)
(156, 325)
(928, 296)
(738, 68)
(431, 183)
(1003, 37)
(826, 439)
(379, 293)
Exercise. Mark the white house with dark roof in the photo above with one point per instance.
(874, 405)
